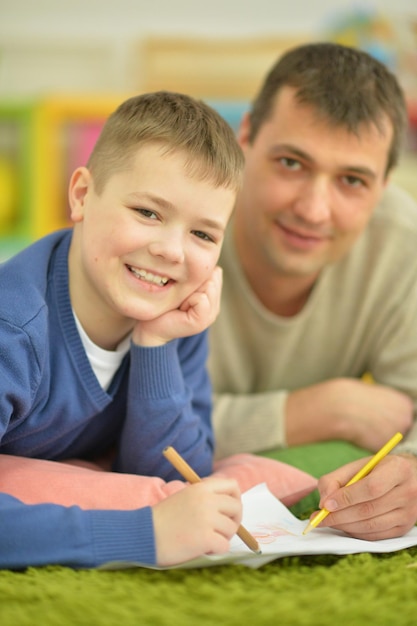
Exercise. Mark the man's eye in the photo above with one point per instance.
(290, 164)
(354, 181)
(147, 213)
(201, 235)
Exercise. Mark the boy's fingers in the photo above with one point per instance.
(223, 485)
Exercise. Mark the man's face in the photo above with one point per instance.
(148, 241)
(309, 189)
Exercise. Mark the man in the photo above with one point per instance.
(320, 282)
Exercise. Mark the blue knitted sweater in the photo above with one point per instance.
(51, 403)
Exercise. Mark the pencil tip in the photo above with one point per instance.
(307, 528)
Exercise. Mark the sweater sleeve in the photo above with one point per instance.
(250, 422)
(169, 404)
(19, 375)
(49, 534)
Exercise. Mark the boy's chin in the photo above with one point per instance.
(137, 314)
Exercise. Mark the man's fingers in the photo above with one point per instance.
(335, 493)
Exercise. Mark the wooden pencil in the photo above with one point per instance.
(190, 475)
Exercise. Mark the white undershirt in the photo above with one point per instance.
(105, 363)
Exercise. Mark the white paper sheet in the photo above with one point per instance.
(280, 533)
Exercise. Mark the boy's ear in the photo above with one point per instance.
(80, 185)
(244, 131)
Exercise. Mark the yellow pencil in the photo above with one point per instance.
(361, 474)
(189, 474)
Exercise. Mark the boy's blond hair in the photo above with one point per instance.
(178, 123)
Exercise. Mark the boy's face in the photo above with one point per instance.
(148, 241)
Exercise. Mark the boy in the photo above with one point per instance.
(103, 326)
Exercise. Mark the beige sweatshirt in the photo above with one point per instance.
(361, 317)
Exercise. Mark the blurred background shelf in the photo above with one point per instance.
(63, 71)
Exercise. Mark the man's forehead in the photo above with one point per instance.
(289, 99)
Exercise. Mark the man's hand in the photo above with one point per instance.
(194, 315)
(380, 506)
(351, 410)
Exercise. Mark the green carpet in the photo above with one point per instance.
(375, 590)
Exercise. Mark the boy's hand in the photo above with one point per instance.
(200, 519)
(194, 315)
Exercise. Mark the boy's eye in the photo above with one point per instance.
(201, 235)
(148, 213)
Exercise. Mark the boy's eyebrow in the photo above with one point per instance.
(359, 170)
(206, 221)
(139, 197)
(165, 204)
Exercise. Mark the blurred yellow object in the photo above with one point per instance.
(8, 194)
(368, 378)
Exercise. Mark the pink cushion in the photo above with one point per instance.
(90, 487)
(286, 482)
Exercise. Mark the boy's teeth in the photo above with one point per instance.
(150, 278)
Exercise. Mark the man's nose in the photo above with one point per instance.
(313, 204)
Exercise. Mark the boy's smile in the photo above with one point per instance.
(148, 241)
(148, 277)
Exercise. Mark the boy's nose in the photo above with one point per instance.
(171, 249)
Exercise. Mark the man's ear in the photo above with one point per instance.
(387, 179)
(244, 131)
(80, 185)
